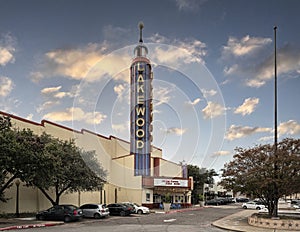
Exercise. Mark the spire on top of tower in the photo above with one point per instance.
(141, 26)
(141, 50)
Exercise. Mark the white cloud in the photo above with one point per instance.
(288, 60)
(6, 86)
(237, 132)
(161, 95)
(189, 5)
(76, 114)
(212, 110)
(247, 107)
(50, 90)
(29, 117)
(176, 131)
(290, 127)
(121, 90)
(221, 153)
(53, 92)
(46, 105)
(244, 46)
(255, 83)
(231, 70)
(7, 49)
(266, 138)
(6, 56)
(120, 128)
(193, 103)
(88, 63)
(177, 51)
(208, 93)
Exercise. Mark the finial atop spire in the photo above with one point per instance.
(141, 26)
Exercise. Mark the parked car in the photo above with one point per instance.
(94, 210)
(130, 205)
(295, 202)
(139, 209)
(64, 213)
(252, 205)
(214, 202)
(241, 199)
(119, 209)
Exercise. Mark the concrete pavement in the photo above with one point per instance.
(234, 222)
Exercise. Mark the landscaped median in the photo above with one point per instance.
(287, 221)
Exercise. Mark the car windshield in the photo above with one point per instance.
(136, 205)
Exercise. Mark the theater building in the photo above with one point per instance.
(166, 177)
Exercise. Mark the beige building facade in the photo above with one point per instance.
(167, 178)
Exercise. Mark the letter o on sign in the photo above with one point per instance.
(140, 122)
(140, 133)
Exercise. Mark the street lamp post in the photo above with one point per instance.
(17, 198)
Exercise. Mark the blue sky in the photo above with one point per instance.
(68, 62)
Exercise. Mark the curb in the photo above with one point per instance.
(31, 226)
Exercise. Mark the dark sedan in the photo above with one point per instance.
(215, 202)
(64, 213)
(119, 209)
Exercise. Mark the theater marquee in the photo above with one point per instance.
(170, 183)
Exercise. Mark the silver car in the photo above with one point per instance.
(94, 210)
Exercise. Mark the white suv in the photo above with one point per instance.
(252, 205)
(95, 210)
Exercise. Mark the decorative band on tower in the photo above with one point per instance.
(141, 109)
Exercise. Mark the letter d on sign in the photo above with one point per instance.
(139, 144)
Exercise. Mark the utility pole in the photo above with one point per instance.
(275, 213)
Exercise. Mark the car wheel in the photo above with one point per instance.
(97, 216)
(139, 212)
(67, 219)
(40, 217)
(245, 207)
(122, 213)
(258, 208)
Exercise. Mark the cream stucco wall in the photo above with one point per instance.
(168, 168)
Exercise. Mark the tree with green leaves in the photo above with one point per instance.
(61, 168)
(265, 172)
(200, 176)
(16, 153)
(5, 143)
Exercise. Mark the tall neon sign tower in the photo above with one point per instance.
(141, 108)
